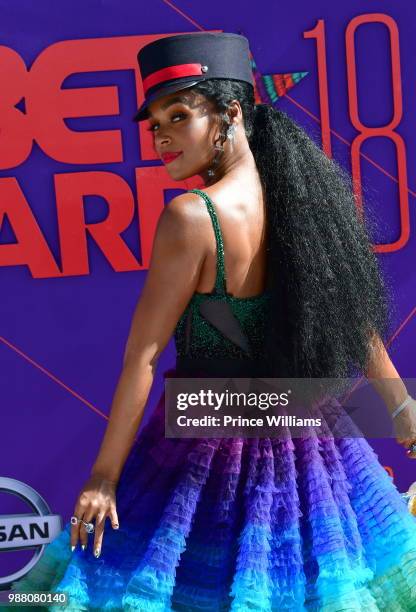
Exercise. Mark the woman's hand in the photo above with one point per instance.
(97, 500)
(405, 427)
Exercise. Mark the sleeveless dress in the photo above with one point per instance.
(240, 524)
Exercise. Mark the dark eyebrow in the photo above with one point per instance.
(181, 99)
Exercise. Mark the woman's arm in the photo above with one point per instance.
(384, 376)
(387, 382)
(177, 256)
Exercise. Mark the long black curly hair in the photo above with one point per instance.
(328, 296)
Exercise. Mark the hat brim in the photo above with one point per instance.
(142, 113)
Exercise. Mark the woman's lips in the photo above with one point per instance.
(168, 157)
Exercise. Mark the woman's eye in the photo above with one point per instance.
(152, 127)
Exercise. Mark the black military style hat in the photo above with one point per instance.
(177, 62)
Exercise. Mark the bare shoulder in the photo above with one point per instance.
(223, 194)
(182, 222)
(186, 210)
(183, 208)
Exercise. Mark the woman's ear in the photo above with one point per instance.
(235, 111)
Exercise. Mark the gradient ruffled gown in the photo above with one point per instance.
(241, 524)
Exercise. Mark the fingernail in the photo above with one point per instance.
(115, 526)
(83, 546)
(97, 552)
(72, 548)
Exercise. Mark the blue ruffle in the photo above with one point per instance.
(244, 524)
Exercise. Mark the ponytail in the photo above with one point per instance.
(327, 293)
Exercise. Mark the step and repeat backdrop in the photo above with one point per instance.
(81, 192)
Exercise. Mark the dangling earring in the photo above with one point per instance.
(231, 131)
(219, 148)
(229, 134)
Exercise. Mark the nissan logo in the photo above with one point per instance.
(26, 531)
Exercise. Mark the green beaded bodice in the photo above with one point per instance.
(218, 325)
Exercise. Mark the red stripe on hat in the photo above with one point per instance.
(171, 72)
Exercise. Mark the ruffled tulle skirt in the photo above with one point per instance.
(243, 524)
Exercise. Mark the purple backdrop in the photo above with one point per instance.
(62, 339)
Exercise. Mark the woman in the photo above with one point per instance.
(274, 238)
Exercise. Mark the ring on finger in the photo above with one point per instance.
(412, 448)
(89, 527)
(75, 520)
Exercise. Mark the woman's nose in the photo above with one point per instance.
(162, 136)
(162, 144)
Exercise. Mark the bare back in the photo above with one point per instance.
(241, 215)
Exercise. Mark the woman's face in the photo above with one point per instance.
(184, 122)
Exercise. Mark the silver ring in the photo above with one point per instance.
(412, 448)
(89, 527)
(75, 520)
